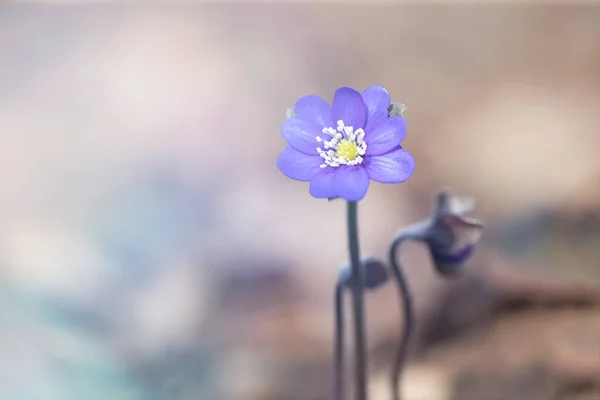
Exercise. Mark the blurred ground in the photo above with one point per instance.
(150, 249)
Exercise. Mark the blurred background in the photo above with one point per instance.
(150, 248)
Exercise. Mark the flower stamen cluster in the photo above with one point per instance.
(346, 146)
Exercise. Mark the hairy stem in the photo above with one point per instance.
(339, 342)
(360, 365)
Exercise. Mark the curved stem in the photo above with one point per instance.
(360, 366)
(339, 342)
(407, 309)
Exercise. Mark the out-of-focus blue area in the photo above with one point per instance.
(51, 353)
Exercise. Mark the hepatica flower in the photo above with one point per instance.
(339, 149)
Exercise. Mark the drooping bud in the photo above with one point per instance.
(451, 236)
(375, 274)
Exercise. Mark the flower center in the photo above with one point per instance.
(347, 149)
(346, 146)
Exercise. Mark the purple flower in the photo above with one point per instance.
(340, 148)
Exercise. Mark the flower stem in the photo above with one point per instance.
(360, 366)
(339, 342)
(407, 309)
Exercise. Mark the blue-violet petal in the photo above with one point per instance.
(377, 100)
(297, 165)
(348, 106)
(351, 182)
(395, 166)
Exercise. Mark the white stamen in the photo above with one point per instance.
(343, 133)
